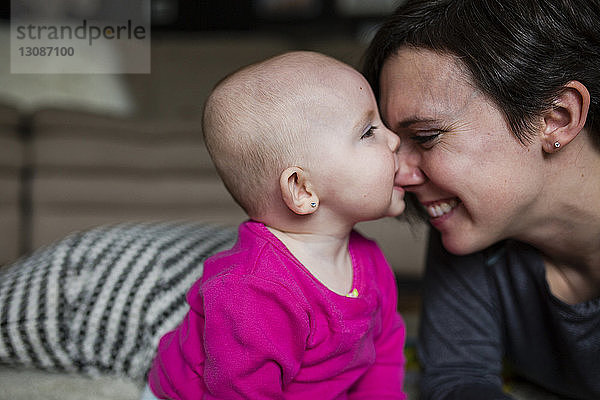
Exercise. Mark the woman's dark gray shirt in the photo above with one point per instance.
(493, 306)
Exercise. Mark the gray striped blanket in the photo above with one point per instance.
(98, 301)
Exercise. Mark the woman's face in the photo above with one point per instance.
(478, 183)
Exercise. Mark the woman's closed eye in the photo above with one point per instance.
(427, 139)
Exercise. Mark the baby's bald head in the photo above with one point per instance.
(257, 122)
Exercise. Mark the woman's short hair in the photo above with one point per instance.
(520, 53)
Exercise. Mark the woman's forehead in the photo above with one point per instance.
(423, 84)
(425, 67)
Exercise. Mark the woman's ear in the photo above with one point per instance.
(297, 191)
(567, 118)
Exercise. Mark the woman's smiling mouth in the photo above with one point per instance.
(439, 208)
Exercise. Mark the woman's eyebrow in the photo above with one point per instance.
(408, 122)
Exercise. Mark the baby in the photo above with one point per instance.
(302, 307)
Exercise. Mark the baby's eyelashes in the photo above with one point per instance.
(369, 132)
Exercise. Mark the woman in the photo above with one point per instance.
(497, 106)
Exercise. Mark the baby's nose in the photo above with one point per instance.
(394, 142)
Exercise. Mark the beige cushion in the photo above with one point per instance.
(10, 231)
(11, 147)
(11, 162)
(10, 210)
(93, 170)
(65, 139)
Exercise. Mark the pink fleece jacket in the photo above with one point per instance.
(260, 326)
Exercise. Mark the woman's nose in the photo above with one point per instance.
(409, 167)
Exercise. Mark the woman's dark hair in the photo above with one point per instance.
(520, 53)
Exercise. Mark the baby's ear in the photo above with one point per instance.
(297, 191)
(567, 118)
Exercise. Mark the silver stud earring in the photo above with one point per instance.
(313, 204)
(556, 144)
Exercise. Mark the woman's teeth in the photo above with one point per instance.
(439, 209)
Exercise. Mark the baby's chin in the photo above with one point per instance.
(396, 209)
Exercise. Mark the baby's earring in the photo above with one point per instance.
(556, 144)
(313, 204)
